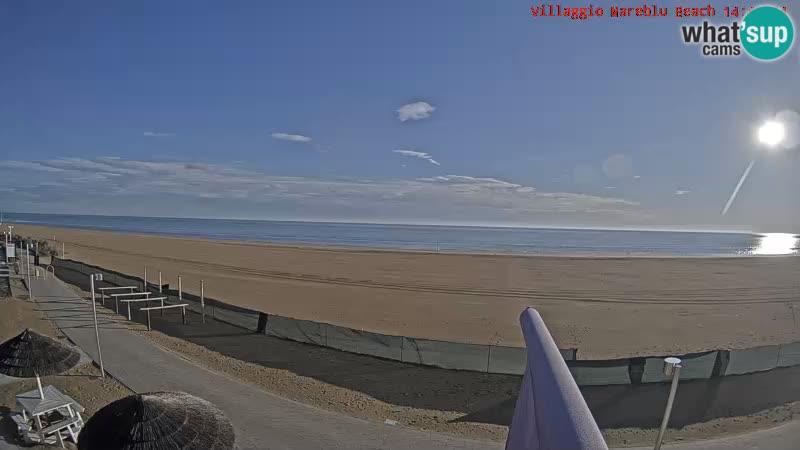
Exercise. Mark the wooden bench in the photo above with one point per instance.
(182, 306)
(113, 288)
(22, 425)
(57, 427)
(128, 294)
(137, 300)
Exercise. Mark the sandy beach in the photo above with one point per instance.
(606, 307)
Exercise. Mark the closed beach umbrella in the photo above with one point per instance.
(158, 421)
(32, 354)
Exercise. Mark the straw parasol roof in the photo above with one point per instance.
(32, 354)
(158, 421)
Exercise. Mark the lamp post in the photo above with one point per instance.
(92, 278)
(672, 366)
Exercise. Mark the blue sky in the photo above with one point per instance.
(291, 111)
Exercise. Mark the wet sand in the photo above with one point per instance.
(607, 307)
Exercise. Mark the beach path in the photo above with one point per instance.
(261, 420)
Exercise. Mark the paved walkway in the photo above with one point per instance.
(261, 420)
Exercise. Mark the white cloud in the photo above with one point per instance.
(118, 186)
(291, 137)
(157, 134)
(682, 192)
(416, 154)
(415, 111)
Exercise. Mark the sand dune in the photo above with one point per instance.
(604, 306)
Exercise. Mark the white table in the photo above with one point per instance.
(34, 407)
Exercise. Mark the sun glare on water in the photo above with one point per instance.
(777, 244)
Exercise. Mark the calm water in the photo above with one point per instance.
(444, 238)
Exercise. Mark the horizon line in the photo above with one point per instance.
(653, 228)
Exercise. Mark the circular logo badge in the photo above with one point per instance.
(767, 33)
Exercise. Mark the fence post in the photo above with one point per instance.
(160, 288)
(262, 323)
(203, 300)
(180, 289)
(144, 285)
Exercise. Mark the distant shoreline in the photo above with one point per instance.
(378, 249)
(476, 240)
(654, 229)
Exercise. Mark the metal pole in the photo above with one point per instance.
(96, 330)
(28, 268)
(159, 283)
(63, 252)
(203, 300)
(180, 289)
(672, 366)
(144, 286)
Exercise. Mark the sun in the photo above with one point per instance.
(771, 133)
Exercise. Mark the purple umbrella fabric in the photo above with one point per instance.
(550, 412)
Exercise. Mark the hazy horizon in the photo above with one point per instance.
(433, 224)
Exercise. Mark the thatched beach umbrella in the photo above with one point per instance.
(158, 421)
(32, 354)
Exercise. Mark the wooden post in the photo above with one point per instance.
(203, 300)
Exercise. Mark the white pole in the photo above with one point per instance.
(144, 288)
(39, 383)
(203, 300)
(28, 269)
(63, 252)
(672, 366)
(96, 330)
(180, 289)
(159, 283)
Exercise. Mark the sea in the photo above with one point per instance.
(439, 237)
